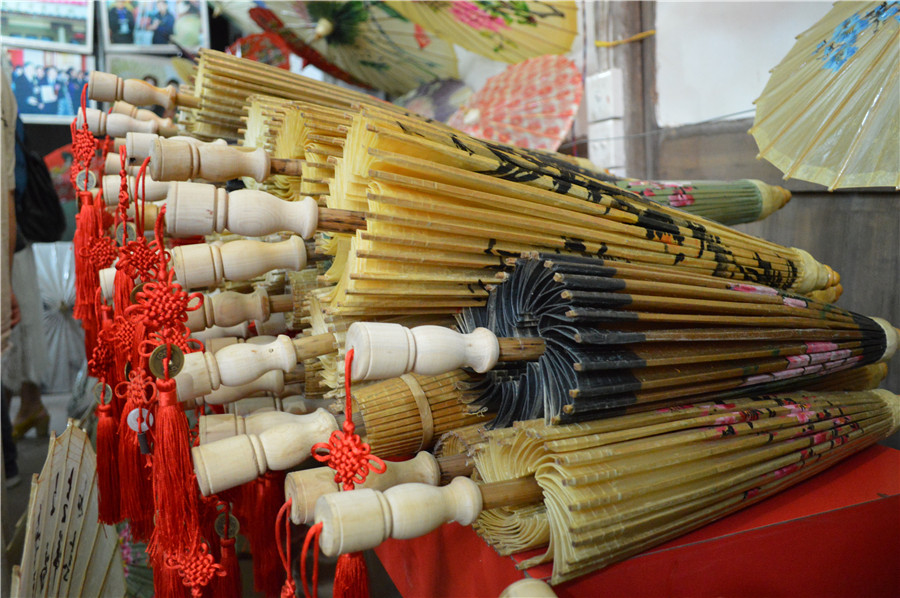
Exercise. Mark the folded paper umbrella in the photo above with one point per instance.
(530, 105)
(63, 529)
(506, 31)
(600, 492)
(830, 113)
(609, 337)
(728, 202)
(370, 41)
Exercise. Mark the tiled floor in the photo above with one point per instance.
(32, 451)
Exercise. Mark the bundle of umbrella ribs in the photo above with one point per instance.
(559, 354)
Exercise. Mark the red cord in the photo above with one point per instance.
(289, 589)
(311, 536)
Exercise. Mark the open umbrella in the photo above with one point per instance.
(64, 339)
(370, 41)
(529, 105)
(267, 48)
(63, 529)
(437, 100)
(506, 31)
(830, 112)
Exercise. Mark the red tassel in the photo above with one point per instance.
(257, 511)
(351, 576)
(136, 492)
(167, 583)
(228, 585)
(107, 472)
(122, 291)
(177, 518)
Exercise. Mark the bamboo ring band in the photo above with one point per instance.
(424, 410)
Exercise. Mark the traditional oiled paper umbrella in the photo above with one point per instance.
(728, 202)
(507, 31)
(530, 105)
(63, 530)
(608, 336)
(830, 112)
(370, 41)
(437, 100)
(267, 48)
(600, 492)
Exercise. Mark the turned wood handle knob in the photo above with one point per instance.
(305, 487)
(228, 309)
(528, 588)
(270, 382)
(107, 282)
(216, 427)
(204, 265)
(140, 145)
(152, 190)
(118, 125)
(113, 165)
(202, 209)
(198, 376)
(239, 364)
(363, 519)
(180, 161)
(106, 87)
(383, 350)
(136, 113)
(209, 335)
(240, 459)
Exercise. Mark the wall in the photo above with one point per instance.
(713, 58)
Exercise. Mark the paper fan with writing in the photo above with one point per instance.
(530, 105)
(830, 113)
(67, 551)
(505, 31)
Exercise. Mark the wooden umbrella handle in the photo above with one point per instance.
(204, 265)
(363, 519)
(528, 588)
(180, 161)
(383, 350)
(219, 426)
(136, 113)
(106, 87)
(240, 459)
(202, 209)
(118, 125)
(305, 487)
(238, 364)
(229, 308)
(113, 165)
(138, 146)
(154, 190)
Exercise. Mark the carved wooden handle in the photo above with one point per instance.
(382, 350)
(237, 460)
(363, 519)
(202, 209)
(204, 265)
(239, 364)
(140, 145)
(179, 161)
(305, 487)
(528, 588)
(117, 125)
(105, 87)
(209, 335)
(153, 190)
(136, 113)
(229, 308)
(217, 427)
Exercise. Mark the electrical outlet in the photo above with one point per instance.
(606, 143)
(605, 95)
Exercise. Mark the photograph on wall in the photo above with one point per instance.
(47, 85)
(59, 25)
(157, 26)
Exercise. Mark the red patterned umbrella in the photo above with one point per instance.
(267, 48)
(531, 104)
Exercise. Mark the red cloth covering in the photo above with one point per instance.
(837, 534)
